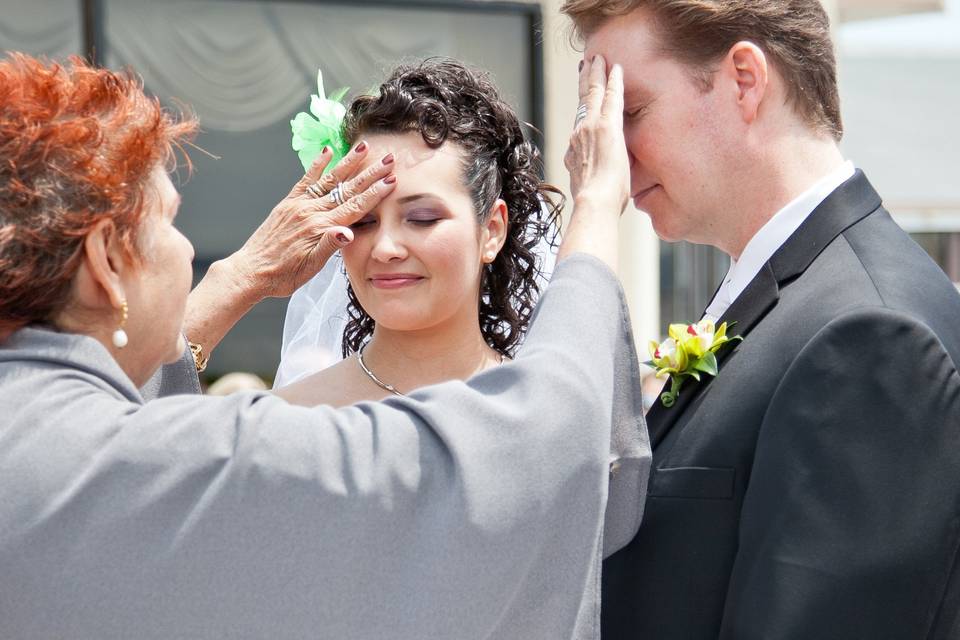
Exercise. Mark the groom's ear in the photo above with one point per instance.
(746, 66)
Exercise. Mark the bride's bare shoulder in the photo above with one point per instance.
(338, 385)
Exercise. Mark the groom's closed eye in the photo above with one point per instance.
(635, 113)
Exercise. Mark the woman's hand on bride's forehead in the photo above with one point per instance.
(312, 222)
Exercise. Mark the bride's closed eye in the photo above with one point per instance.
(365, 221)
(423, 217)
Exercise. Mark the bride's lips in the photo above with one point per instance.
(643, 193)
(394, 280)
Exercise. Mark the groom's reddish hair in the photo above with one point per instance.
(794, 34)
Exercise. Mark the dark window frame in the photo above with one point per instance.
(95, 41)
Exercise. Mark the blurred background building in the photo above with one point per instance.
(900, 85)
(247, 66)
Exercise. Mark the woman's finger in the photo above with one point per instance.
(583, 81)
(328, 241)
(334, 239)
(313, 173)
(345, 169)
(342, 236)
(612, 108)
(368, 176)
(357, 206)
(596, 87)
(364, 202)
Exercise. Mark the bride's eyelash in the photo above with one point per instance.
(363, 222)
(420, 219)
(423, 218)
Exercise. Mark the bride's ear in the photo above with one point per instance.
(494, 232)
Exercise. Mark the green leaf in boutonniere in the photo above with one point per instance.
(689, 351)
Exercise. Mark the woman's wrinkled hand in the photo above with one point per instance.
(599, 166)
(597, 155)
(309, 225)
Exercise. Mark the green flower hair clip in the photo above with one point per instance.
(325, 127)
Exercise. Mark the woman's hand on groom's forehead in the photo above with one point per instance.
(598, 164)
(596, 157)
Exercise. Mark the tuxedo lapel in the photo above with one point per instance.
(849, 203)
(852, 201)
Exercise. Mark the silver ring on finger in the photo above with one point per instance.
(336, 194)
(315, 191)
(581, 115)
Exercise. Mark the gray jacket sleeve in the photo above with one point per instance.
(171, 379)
(466, 510)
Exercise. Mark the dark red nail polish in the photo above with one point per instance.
(390, 179)
(326, 150)
(342, 239)
(580, 67)
(388, 159)
(361, 147)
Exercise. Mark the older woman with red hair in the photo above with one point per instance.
(86, 155)
(469, 509)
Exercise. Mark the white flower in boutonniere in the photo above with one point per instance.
(690, 351)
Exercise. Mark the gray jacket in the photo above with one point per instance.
(466, 510)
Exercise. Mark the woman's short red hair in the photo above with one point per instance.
(77, 145)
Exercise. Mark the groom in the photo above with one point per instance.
(812, 488)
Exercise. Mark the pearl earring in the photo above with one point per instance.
(120, 336)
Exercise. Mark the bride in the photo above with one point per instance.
(443, 275)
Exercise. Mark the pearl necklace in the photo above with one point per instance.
(377, 381)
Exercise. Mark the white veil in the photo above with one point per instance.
(317, 316)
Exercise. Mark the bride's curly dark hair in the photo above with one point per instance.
(445, 100)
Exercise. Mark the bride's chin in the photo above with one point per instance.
(404, 317)
(403, 322)
(404, 313)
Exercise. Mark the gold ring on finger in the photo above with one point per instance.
(315, 191)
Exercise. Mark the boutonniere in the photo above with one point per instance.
(689, 352)
(311, 133)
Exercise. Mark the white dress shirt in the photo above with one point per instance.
(771, 237)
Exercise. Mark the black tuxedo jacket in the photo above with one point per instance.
(812, 489)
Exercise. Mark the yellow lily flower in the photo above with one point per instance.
(668, 357)
(687, 352)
